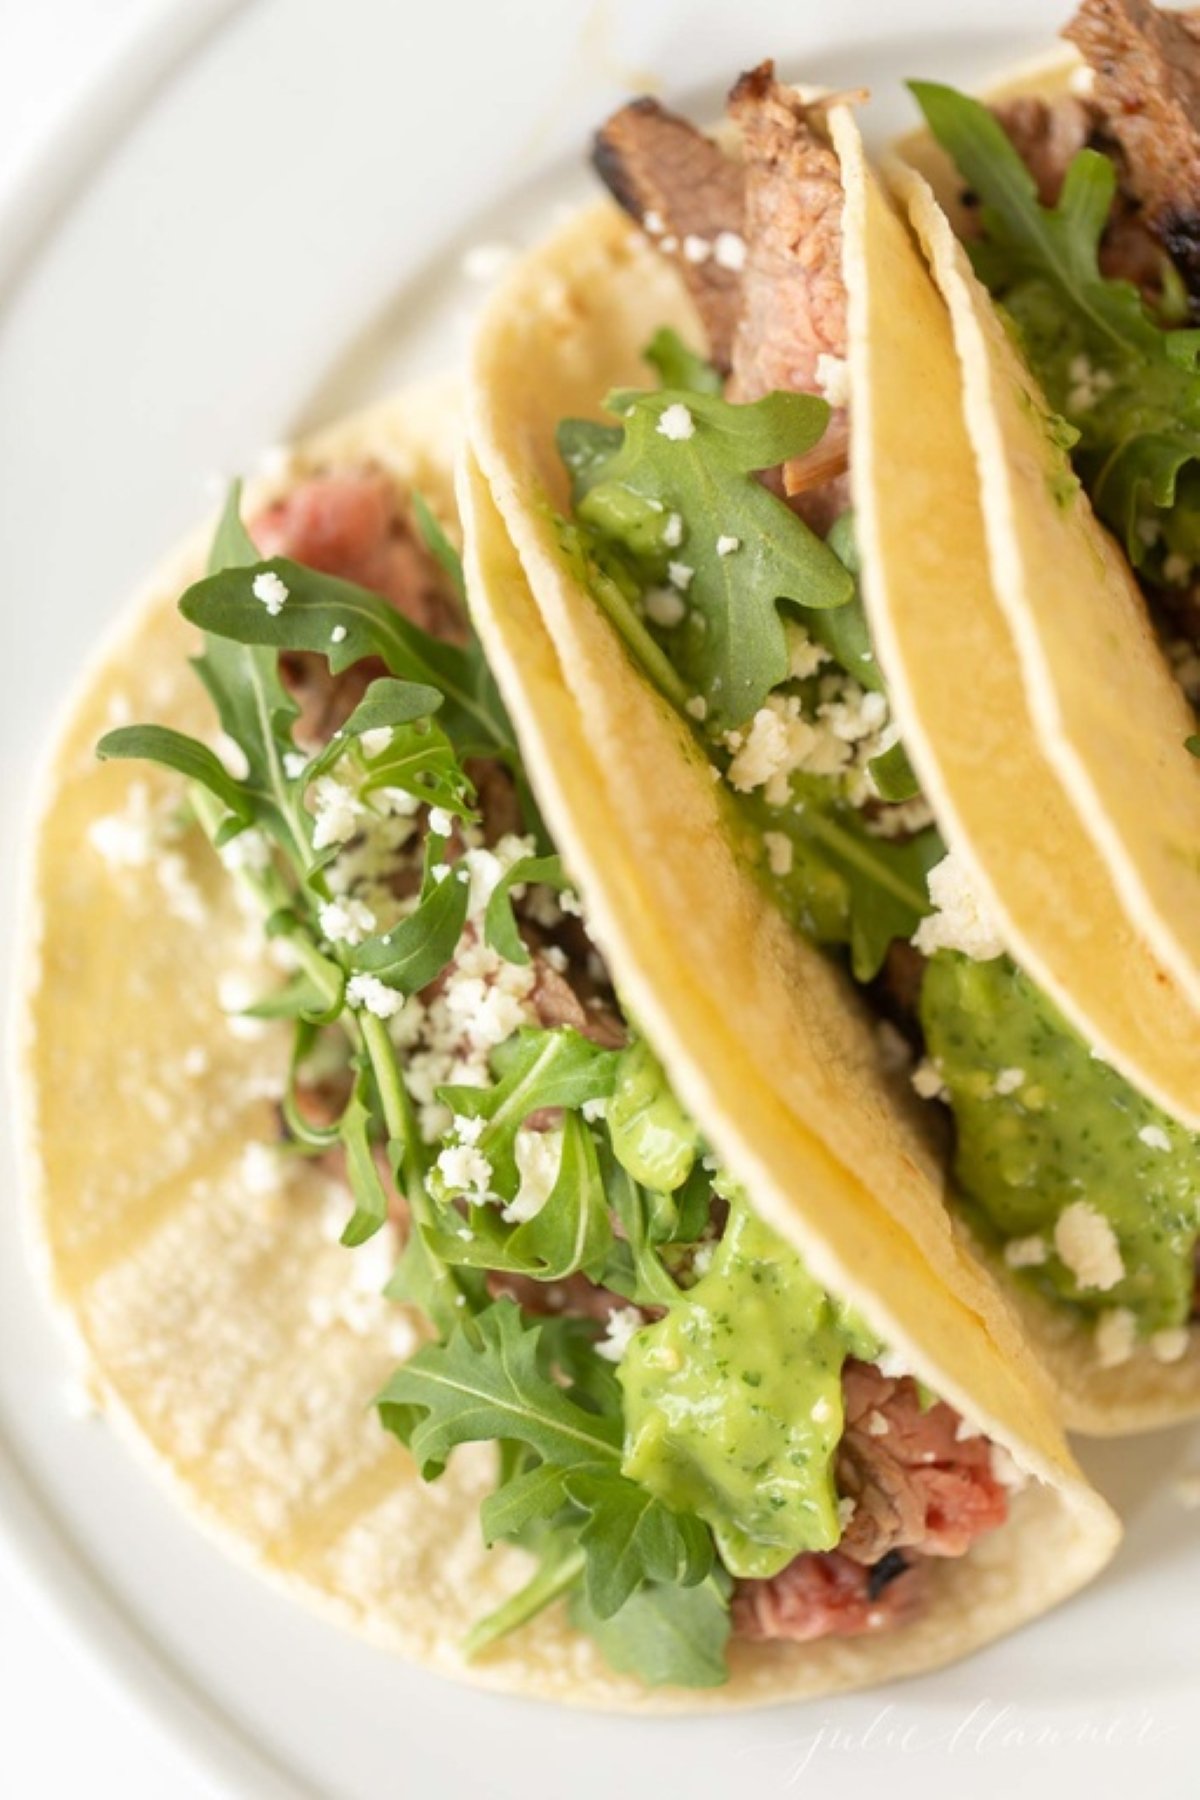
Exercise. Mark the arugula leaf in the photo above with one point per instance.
(1130, 389)
(385, 705)
(536, 1069)
(664, 1634)
(678, 367)
(893, 775)
(530, 1498)
(438, 544)
(485, 1384)
(500, 929)
(414, 952)
(630, 1538)
(366, 1185)
(843, 630)
(846, 885)
(570, 1231)
(185, 755)
(422, 761)
(232, 546)
(346, 623)
(731, 648)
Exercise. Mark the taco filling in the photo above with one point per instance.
(694, 1440)
(713, 523)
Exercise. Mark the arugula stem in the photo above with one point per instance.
(654, 661)
(553, 1579)
(816, 825)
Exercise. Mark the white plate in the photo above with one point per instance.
(255, 224)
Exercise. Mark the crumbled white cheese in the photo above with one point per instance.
(377, 740)
(876, 1423)
(653, 222)
(729, 250)
(726, 546)
(927, 1080)
(833, 379)
(664, 606)
(338, 635)
(1154, 1138)
(1009, 1080)
(696, 707)
(230, 755)
(374, 996)
(805, 655)
(623, 1323)
(465, 1170)
(1088, 1247)
(821, 1412)
(892, 1364)
(294, 764)
(440, 822)
(1115, 1337)
(670, 243)
(964, 1431)
(262, 1168)
(1026, 1252)
(248, 850)
(696, 249)
(780, 850)
(273, 593)
(1170, 1346)
(672, 533)
(235, 992)
(960, 921)
(539, 1158)
(680, 575)
(336, 812)
(676, 422)
(347, 921)
(702, 1259)
(846, 1509)
(130, 838)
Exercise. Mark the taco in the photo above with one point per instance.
(310, 968)
(795, 330)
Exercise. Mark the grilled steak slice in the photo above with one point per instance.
(825, 1594)
(688, 196)
(1147, 89)
(793, 292)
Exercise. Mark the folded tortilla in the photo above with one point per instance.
(237, 1345)
(1072, 698)
(579, 311)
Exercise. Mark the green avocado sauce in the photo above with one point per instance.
(733, 1401)
(1067, 1132)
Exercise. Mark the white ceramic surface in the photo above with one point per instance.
(256, 222)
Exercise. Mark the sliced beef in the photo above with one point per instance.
(1147, 90)
(347, 524)
(688, 195)
(1047, 135)
(557, 1003)
(916, 1482)
(827, 1595)
(793, 292)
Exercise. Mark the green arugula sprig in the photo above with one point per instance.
(1129, 388)
(490, 1384)
(693, 457)
(641, 1577)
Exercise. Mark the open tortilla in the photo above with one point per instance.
(580, 311)
(227, 1334)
